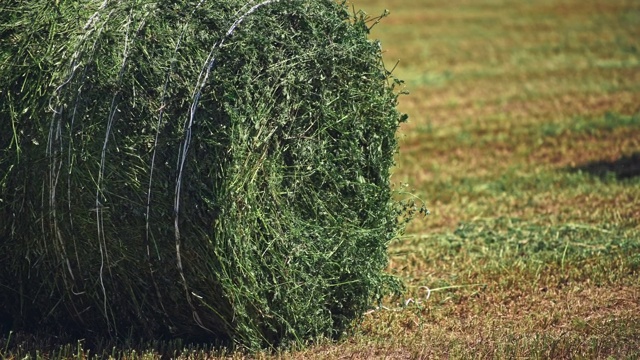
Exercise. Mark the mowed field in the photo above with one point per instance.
(524, 143)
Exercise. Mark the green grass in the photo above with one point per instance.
(523, 141)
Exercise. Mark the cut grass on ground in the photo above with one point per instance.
(524, 142)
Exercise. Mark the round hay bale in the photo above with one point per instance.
(211, 170)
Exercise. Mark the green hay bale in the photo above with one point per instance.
(212, 170)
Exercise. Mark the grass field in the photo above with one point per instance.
(524, 143)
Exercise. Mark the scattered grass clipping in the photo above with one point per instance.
(205, 170)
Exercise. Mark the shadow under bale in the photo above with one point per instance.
(625, 167)
(209, 170)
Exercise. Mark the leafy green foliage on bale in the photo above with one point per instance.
(213, 170)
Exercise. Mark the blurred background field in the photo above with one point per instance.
(524, 142)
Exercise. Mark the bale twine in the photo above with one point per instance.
(211, 170)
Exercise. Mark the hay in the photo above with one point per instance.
(211, 170)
